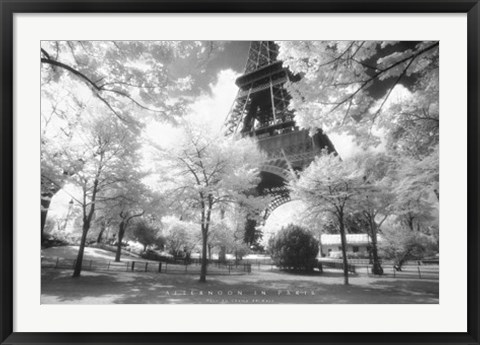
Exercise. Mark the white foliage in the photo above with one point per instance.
(336, 76)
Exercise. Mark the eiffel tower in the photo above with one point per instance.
(261, 110)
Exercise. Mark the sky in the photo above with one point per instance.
(233, 56)
(227, 55)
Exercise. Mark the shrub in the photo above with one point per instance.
(155, 256)
(401, 244)
(294, 248)
(362, 255)
(52, 241)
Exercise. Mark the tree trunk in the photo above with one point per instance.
(343, 237)
(79, 261)
(401, 260)
(87, 220)
(222, 256)
(250, 237)
(410, 222)
(100, 235)
(205, 227)
(203, 270)
(144, 247)
(121, 232)
(209, 252)
(377, 267)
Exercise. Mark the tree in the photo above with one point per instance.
(330, 185)
(130, 79)
(345, 85)
(238, 242)
(105, 220)
(412, 135)
(411, 120)
(109, 154)
(210, 170)
(60, 156)
(160, 242)
(252, 236)
(413, 230)
(129, 198)
(378, 92)
(251, 214)
(180, 236)
(134, 203)
(126, 74)
(144, 233)
(419, 177)
(126, 217)
(416, 190)
(227, 232)
(401, 244)
(376, 200)
(294, 247)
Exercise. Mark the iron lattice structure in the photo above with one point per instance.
(261, 110)
(262, 100)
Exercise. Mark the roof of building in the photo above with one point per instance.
(334, 239)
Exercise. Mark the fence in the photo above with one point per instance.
(147, 266)
(411, 269)
(336, 265)
(363, 262)
(216, 267)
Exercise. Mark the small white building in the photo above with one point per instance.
(331, 244)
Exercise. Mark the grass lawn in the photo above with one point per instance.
(70, 252)
(258, 287)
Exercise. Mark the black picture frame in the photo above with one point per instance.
(10, 7)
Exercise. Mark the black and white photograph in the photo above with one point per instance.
(239, 172)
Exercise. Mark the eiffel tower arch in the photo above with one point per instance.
(260, 110)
